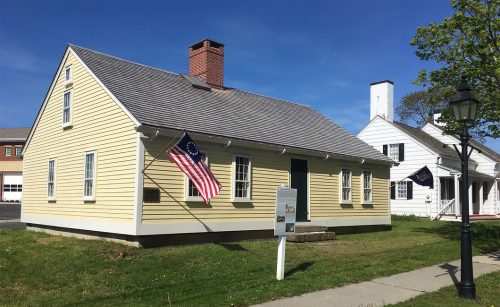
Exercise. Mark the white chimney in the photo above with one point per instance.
(382, 99)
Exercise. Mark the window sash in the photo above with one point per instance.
(242, 177)
(394, 152)
(401, 190)
(50, 179)
(18, 151)
(346, 185)
(89, 186)
(67, 108)
(67, 74)
(367, 186)
(8, 151)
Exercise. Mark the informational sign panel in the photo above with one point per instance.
(286, 208)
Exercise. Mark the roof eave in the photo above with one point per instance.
(224, 140)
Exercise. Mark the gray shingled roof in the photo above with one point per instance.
(163, 99)
(14, 133)
(490, 153)
(427, 140)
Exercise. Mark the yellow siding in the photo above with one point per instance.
(98, 125)
(269, 171)
(325, 190)
(165, 175)
(11, 166)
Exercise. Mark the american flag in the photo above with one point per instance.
(188, 158)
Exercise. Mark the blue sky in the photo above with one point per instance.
(321, 53)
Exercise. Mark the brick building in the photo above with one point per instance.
(11, 166)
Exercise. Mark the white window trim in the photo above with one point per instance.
(406, 188)
(363, 201)
(186, 182)
(9, 148)
(342, 201)
(233, 180)
(70, 80)
(92, 197)
(70, 122)
(53, 197)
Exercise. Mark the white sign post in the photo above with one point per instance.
(284, 223)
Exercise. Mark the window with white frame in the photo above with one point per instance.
(89, 182)
(394, 152)
(367, 186)
(192, 191)
(67, 74)
(401, 191)
(8, 151)
(67, 109)
(346, 185)
(242, 180)
(51, 180)
(18, 151)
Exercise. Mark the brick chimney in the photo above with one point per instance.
(206, 60)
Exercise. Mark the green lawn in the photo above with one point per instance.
(487, 288)
(39, 269)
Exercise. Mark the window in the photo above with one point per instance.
(12, 187)
(51, 180)
(367, 186)
(89, 182)
(67, 109)
(192, 191)
(8, 151)
(67, 74)
(18, 151)
(242, 180)
(401, 190)
(346, 185)
(394, 152)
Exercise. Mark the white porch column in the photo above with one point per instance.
(457, 195)
(470, 198)
(481, 200)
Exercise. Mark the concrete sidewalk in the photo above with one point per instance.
(392, 289)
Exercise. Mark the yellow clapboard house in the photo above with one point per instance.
(104, 120)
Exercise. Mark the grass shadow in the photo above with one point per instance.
(232, 246)
(299, 268)
(485, 237)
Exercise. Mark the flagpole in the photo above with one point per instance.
(164, 148)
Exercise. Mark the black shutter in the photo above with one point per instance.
(393, 189)
(384, 149)
(401, 152)
(409, 190)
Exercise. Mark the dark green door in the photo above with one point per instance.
(299, 182)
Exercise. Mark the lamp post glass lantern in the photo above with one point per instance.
(465, 108)
(464, 105)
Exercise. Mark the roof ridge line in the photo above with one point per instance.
(121, 59)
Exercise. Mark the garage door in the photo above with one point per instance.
(12, 187)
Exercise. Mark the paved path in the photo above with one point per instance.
(392, 289)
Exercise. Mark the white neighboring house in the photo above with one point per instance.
(415, 148)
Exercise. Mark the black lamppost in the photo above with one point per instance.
(464, 108)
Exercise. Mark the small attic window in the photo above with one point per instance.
(67, 75)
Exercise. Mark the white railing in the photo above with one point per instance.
(445, 207)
